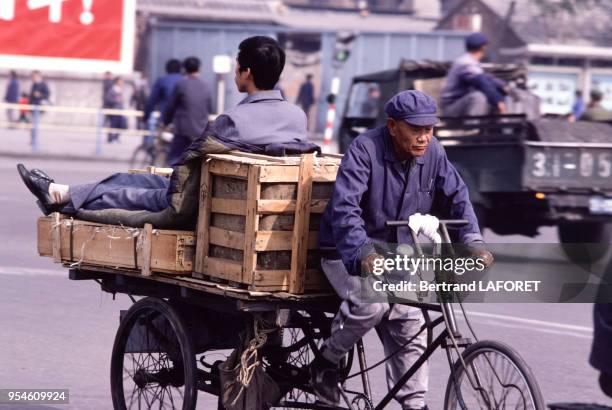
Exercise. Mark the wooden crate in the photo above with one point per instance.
(145, 250)
(259, 217)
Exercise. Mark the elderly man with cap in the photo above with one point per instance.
(468, 90)
(388, 173)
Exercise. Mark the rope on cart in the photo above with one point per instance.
(249, 359)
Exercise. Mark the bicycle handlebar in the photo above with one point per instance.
(442, 222)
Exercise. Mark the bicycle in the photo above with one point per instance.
(153, 150)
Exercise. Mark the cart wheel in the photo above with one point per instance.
(497, 378)
(299, 356)
(153, 362)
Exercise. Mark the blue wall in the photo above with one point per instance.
(370, 52)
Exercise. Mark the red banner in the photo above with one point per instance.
(75, 29)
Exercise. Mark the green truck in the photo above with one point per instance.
(523, 171)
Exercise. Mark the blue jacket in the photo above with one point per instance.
(466, 75)
(160, 93)
(373, 186)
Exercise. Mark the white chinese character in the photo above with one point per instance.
(55, 8)
(7, 9)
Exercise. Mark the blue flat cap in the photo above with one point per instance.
(414, 107)
(475, 40)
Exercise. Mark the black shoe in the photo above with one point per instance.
(605, 382)
(324, 379)
(39, 186)
(41, 174)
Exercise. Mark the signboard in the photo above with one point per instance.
(556, 90)
(67, 35)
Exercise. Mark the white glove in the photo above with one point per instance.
(427, 225)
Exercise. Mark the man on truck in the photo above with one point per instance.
(388, 173)
(468, 90)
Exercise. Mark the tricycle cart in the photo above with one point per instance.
(166, 342)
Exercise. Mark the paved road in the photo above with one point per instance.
(59, 334)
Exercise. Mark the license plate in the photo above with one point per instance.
(601, 206)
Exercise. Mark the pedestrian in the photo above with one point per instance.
(140, 95)
(12, 95)
(305, 97)
(187, 109)
(39, 93)
(163, 88)
(388, 173)
(578, 106)
(24, 112)
(595, 111)
(107, 83)
(468, 90)
(114, 100)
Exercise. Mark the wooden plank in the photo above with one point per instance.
(280, 240)
(227, 238)
(251, 223)
(324, 172)
(223, 268)
(278, 280)
(44, 234)
(233, 169)
(279, 173)
(57, 237)
(204, 210)
(228, 206)
(147, 238)
(287, 206)
(300, 227)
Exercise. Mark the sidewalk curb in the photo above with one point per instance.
(61, 157)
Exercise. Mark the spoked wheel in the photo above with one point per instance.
(299, 358)
(153, 362)
(496, 379)
(142, 157)
(296, 356)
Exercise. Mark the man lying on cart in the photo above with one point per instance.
(388, 173)
(261, 123)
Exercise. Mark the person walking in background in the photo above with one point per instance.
(138, 101)
(107, 83)
(12, 95)
(595, 111)
(24, 112)
(305, 98)
(578, 107)
(188, 109)
(163, 88)
(114, 100)
(39, 93)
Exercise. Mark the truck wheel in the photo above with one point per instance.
(585, 242)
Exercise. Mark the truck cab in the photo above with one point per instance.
(523, 171)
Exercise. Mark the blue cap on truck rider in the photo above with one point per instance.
(388, 173)
(468, 90)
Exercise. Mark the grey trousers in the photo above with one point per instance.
(474, 103)
(395, 324)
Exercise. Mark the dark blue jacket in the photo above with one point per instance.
(160, 93)
(373, 186)
(12, 91)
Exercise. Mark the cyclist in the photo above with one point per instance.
(388, 173)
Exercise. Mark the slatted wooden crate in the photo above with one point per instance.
(146, 250)
(259, 219)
